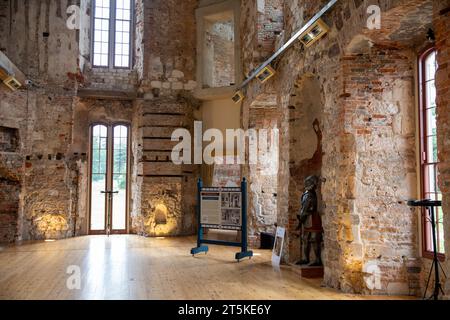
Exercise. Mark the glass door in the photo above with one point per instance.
(109, 179)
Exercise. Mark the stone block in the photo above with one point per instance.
(156, 84)
(177, 85)
(177, 74)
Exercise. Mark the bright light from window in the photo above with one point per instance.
(112, 33)
(430, 159)
(123, 33)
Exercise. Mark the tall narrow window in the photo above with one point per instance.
(112, 25)
(109, 179)
(429, 149)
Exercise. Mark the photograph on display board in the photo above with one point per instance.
(231, 200)
(225, 200)
(231, 217)
(231, 208)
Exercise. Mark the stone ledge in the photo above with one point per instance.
(106, 94)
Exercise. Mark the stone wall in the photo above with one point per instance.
(165, 189)
(305, 127)
(263, 176)
(364, 89)
(379, 119)
(270, 25)
(38, 41)
(164, 193)
(43, 121)
(53, 123)
(46, 194)
(169, 62)
(218, 59)
(10, 181)
(263, 22)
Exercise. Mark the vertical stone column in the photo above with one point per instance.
(379, 172)
(164, 193)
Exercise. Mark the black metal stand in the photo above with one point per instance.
(430, 205)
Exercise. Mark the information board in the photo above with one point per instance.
(221, 208)
(226, 209)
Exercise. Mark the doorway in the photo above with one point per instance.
(109, 179)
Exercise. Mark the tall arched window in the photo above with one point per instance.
(112, 23)
(429, 149)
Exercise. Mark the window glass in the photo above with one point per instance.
(430, 159)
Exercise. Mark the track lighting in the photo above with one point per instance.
(314, 33)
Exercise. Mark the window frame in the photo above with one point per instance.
(112, 36)
(110, 126)
(424, 182)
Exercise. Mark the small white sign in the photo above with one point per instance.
(278, 247)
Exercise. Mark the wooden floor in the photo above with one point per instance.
(132, 267)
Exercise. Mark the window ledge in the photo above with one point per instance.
(430, 256)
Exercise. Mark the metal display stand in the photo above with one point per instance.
(431, 205)
(202, 243)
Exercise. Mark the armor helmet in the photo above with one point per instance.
(311, 182)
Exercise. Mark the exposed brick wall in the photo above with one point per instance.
(379, 115)
(263, 177)
(4, 13)
(47, 210)
(9, 209)
(53, 123)
(263, 22)
(270, 26)
(9, 139)
(227, 174)
(169, 54)
(10, 179)
(219, 59)
(367, 124)
(157, 180)
(38, 41)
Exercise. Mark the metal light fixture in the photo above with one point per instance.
(9, 80)
(314, 33)
(12, 83)
(265, 74)
(238, 97)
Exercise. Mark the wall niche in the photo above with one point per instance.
(9, 139)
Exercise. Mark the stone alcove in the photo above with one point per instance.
(305, 131)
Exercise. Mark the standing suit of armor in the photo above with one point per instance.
(311, 223)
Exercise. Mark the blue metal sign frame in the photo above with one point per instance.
(202, 243)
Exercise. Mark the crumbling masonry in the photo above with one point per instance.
(346, 110)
